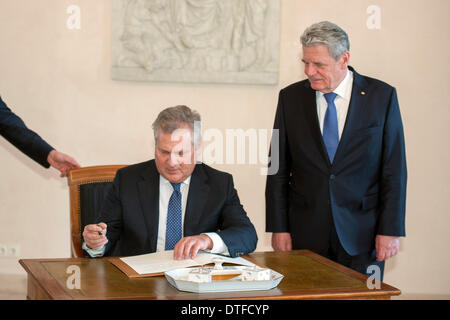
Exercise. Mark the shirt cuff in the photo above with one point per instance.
(94, 253)
(218, 245)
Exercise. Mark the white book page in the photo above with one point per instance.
(163, 261)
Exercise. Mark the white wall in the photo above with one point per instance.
(58, 81)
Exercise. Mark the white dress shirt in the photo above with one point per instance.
(342, 102)
(165, 192)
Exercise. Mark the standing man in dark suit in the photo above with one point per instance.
(172, 203)
(13, 129)
(340, 190)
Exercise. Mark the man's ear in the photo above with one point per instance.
(198, 152)
(344, 60)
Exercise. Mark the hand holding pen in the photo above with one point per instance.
(95, 235)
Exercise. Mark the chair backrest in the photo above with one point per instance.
(88, 187)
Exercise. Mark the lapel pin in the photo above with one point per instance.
(363, 93)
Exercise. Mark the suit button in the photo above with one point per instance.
(332, 177)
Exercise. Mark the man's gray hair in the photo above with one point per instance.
(174, 118)
(329, 34)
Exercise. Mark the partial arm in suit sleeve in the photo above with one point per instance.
(111, 214)
(236, 229)
(277, 185)
(394, 174)
(13, 129)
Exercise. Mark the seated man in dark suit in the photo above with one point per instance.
(172, 203)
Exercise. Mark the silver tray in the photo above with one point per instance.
(178, 279)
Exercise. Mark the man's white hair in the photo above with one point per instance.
(174, 118)
(328, 34)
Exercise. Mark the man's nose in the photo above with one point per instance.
(174, 159)
(310, 70)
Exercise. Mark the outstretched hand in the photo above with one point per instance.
(61, 162)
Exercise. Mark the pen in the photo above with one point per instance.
(100, 233)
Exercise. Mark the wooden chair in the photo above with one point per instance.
(88, 187)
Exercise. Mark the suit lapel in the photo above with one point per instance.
(356, 106)
(198, 195)
(148, 189)
(313, 122)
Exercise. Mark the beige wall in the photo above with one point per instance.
(58, 81)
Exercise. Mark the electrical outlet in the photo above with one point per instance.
(13, 250)
(3, 250)
(9, 250)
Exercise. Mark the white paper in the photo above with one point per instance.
(163, 261)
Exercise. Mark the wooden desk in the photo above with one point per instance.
(306, 276)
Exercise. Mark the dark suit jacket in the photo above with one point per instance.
(363, 192)
(13, 129)
(131, 211)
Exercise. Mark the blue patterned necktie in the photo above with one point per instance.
(173, 226)
(330, 126)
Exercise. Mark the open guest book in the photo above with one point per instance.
(155, 264)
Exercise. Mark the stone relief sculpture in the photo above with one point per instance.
(228, 41)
